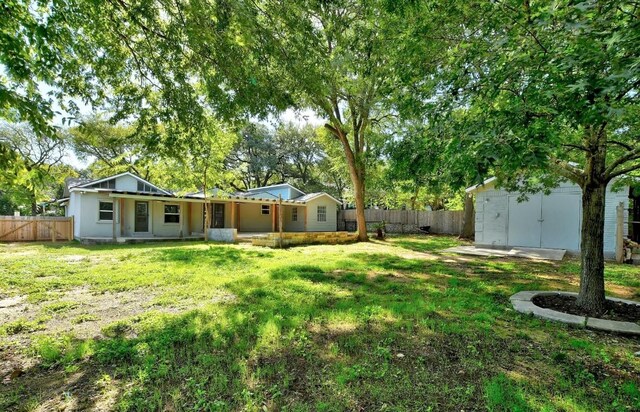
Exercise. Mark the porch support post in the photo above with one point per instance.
(181, 208)
(188, 222)
(233, 215)
(113, 221)
(121, 216)
(305, 217)
(280, 218)
(273, 217)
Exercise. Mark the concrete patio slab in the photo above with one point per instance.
(528, 253)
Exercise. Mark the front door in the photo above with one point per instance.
(142, 217)
(218, 215)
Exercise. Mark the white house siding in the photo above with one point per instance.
(331, 225)
(159, 227)
(289, 224)
(127, 183)
(74, 209)
(197, 218)
(252, 219)
(492, 214)
(87, 222)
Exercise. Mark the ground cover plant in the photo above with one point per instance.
(383, 325)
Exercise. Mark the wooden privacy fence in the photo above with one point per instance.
(35, 228)
(406, 221)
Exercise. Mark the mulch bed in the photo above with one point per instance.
(617, 311)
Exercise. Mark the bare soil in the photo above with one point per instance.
(617, 311)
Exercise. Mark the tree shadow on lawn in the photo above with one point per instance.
(306, 337)
(428, 243)
(214, 254)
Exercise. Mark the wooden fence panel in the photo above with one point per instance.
(441, 221)
(35, 228)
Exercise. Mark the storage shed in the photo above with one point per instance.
(543, 221)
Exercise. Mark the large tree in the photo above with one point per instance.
(175, 59)
(548, 90)
(36, 166)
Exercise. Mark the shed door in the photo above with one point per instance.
(524, 222)
(561, 221)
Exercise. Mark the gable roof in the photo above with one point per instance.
(265, 188)
(310, 196)
(487, 184)
(138, 178)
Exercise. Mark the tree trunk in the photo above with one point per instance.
(591, 297)
(468, 229)
(594, 187)
(356, 172)
(358, 187)
(34, 204)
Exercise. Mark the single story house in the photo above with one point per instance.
(126, 206)
(543, 221)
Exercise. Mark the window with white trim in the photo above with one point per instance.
(171, 213)
(143, 187)
(294, 214)
(321, 214)
(266, 209)
(105, 211)
(107, 184)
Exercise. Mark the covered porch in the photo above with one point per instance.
(157, 217)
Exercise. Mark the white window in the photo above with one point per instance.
(266, 209)
(107, 184)
(105, 211)
(171, 213)
(294, 214)
(143, 187)
(322, 214)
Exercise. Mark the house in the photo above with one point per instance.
(544, 221)
(125, 206)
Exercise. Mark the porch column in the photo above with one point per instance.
(188, 222)
(181, 219)
(233, 215)
(121, 216)
(305, 217)
(273, 217)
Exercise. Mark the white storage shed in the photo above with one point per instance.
(550, 221)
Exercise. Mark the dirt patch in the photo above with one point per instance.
(83, 312)
(617, 311)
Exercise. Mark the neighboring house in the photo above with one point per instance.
(127, 206)
(543, 221)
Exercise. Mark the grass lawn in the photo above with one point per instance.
(395, 325)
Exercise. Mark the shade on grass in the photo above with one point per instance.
(391, 325)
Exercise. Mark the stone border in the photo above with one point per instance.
(522, 302)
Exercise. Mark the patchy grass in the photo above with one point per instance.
(395, 325)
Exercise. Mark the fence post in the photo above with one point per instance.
(620, 232)
(71, 229)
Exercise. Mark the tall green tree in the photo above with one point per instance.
(549, 90)
(37, 168)
(112, 148)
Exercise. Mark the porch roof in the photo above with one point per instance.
(193, 199)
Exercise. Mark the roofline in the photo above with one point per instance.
(319, 194)
(253, 189)
(476, 188)
(138, 195)
(93, 182)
